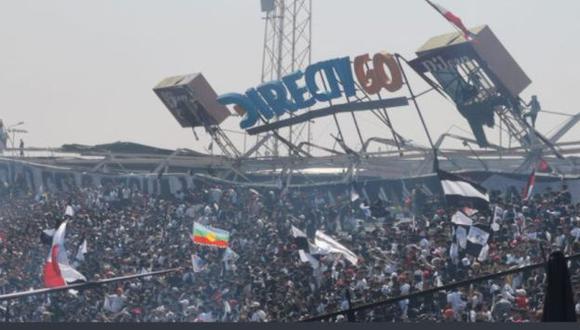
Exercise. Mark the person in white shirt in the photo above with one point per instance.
(457, 304)
(425, 243)
(259, 316)
(472, 316)
(404, 304)
(576, 234)
(486, 315)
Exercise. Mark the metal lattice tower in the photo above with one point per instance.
(287, 47)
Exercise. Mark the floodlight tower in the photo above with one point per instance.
(287, 46)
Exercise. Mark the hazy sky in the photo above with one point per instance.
(83, 71)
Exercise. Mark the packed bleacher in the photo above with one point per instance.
(402, 246)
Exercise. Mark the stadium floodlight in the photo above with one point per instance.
(268, 5)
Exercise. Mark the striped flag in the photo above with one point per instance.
(206, 235)
(57, 271)
(460, 192)
(453, 19)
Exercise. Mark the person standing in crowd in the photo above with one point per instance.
(3, 136)
(21, 148)
(264, 277)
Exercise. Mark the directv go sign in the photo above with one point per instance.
(300, 90)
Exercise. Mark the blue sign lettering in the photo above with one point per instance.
(320, 82)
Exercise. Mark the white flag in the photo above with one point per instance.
(327, 243)
(461, 235)
(483, 254)
(459, 218)
(307, 257)
(69, 211)
(197, 263)
(297, 232)
(230, 255)
(82, 251)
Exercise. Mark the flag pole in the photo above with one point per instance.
(434, 7)
(466, 34)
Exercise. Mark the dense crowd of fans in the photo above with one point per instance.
(403, 247)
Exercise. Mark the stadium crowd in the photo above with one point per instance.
(403, 247)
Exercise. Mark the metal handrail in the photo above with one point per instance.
(433, 290)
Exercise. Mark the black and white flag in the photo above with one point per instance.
(327, 243)
(476, 240)
(81, 252)
(306, 250)
(460, 192)
(300, 239)
(460, 219)
(46, 236)
(307, 257)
